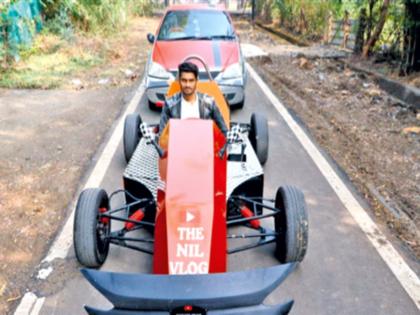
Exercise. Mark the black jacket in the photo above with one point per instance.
(207, 108)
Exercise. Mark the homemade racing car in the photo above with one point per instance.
(189, 189)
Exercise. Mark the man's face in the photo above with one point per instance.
(188, 83)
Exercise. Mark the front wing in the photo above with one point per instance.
(231, 293)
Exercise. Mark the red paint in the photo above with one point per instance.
(136, 216)
(160, 104)
(104, 220)
(218, 257)
(247, 213)
(170, 53)
(160, 257)
(190, 231)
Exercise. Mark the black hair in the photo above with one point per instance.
(188, 67)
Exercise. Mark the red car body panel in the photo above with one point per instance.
(190, 234)
(217, 54)
(170, 53)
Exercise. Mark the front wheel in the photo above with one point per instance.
(291, 225)
(132, 135)
(90, 231)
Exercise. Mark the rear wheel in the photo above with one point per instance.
(258, 135)
(90, 243)
(291, 225)
(132, 135)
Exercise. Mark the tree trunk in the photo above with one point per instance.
(370, 18)
(378, 29)
(267, 11)
(360, 35)
(411, 54)
(303, 25)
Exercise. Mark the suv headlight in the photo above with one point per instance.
(158, 71)
(232, 72)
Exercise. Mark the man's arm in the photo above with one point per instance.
(218, 118)
(164, 117)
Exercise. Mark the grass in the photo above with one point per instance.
(55, 61)
(50, 62)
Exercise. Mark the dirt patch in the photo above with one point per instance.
(48, 139)
(372, 136)
(389, 69)
(84, 61)
(252, 35)
(367, 132)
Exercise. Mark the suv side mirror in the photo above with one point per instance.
(151, 38)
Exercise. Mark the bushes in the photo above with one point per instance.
(63, 18)
(310, 17)
(96, 15)
(306, 17)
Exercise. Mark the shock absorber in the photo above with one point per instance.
(138, 215)
(247, 213)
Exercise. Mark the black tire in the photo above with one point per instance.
(258, 135)
(91, 249)
(238, 106)
(291, 224)
(132, 135)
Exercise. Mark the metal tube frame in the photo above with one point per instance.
(265, 236)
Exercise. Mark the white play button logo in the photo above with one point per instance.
(189, 216)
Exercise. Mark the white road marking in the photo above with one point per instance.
(38, 305)
(31, 304)
(64, 241)
(408, 279)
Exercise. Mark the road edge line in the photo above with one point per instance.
(64, 241)
(404, 274)
(30, 303)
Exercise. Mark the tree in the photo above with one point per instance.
(378, 29)
(411, 54)
(360, 35)
(266, 11)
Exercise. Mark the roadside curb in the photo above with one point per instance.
(286, 36)
(407, 94)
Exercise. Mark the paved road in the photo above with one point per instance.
(341, 274)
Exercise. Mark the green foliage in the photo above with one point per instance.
(98, 16)
(60, 24)
(310, 17)
(306, 15)
(142, 8)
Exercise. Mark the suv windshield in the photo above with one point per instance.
(196, 24)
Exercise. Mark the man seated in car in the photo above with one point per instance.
(190, 103)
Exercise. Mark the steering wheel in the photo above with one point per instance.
(201, 60)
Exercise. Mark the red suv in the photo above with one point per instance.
(199, 30)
